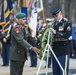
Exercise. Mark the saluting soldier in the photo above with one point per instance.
(19, 46)
(62, 31)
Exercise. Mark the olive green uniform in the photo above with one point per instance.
(18, 50)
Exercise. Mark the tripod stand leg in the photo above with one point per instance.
(47, 60)
(56, 59)
(41, 60)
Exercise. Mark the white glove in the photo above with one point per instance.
(4, 40)
(53, 30)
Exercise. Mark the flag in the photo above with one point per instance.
(40, 5)
(8, 8)
(24, 10)
(41, 9)
(33, 18)
(22, 3)
(2, 21)
(29, 4)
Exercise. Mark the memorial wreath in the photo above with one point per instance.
(43, 37)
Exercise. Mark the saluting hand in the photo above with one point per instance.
(36, 50)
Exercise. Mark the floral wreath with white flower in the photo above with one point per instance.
(43, 37)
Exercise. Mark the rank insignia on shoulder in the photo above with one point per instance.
(17, 30)
(68, 28)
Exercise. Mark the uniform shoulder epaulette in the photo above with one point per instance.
(17, 28)
(65, 19)
(69, 22)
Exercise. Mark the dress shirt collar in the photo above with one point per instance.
(60, 19)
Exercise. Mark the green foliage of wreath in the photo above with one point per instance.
(43, 37)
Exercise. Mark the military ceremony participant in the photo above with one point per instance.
(62, 31)
(19, 46)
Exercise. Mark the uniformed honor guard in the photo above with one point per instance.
(62, 31)
(19, 46)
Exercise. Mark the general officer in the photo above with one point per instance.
(19, 46)
(62, 31)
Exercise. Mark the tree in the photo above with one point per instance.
(68, 8)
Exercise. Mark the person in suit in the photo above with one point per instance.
(19, 46)
(62, 31)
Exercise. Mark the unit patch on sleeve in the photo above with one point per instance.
(68, 28)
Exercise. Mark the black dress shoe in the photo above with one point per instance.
(5, 65)
(48, 67)
(33, 66)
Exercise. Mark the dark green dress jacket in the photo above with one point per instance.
(19, 45)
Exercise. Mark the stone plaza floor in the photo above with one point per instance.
(33, 70)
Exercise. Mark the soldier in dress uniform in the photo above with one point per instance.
(62, 31)
(19, 46)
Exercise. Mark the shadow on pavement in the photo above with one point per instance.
(72, 71)
(45, 74)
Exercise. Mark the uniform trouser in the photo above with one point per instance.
(33, 55)
(64, 61)
(33, 58)
(74, 47)
(5, 53)
(16, 67)
(0, 48)
(49, 61)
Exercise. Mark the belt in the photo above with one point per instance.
(60, 39)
